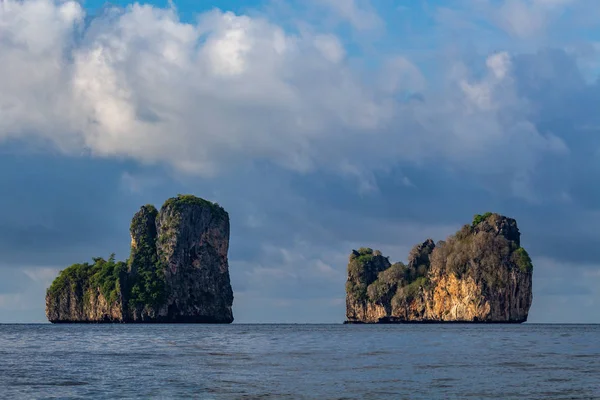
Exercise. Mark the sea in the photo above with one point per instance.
(237, 361)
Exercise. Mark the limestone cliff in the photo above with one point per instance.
(479, 274)
(177, 271)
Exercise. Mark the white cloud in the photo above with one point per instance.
(330, 47)
(34, 40)
(480, 94)
(232, 89)
(499, 64)
(141, 84)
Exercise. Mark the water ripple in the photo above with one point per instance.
(300, 361)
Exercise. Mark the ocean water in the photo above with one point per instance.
(300, 361)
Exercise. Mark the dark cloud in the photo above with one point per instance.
(283, 224)
(565, 289)
(54, 209)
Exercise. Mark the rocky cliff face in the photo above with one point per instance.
(87, 305)
(177, 272)
(479, 274)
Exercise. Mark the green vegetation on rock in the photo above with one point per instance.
(108, 277)
(357, 290)
(481, 261)
(399, 278)
(147, 286)
(366, 255)
(148, 282)
(140, 281)
(387, 282)
(412, 289)
(105, 275)
(522, 259)
(183, 200)
(363, 268)
(372, 278)
(478, 218)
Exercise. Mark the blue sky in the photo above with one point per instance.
(321, 126)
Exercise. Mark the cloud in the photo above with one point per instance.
(231, 90)
(138, 83)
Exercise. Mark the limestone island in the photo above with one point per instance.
(177, 271)
(479, 274)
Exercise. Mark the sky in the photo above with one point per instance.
(319, 125)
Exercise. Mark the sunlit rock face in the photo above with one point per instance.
(479, 274)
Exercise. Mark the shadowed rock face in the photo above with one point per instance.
(177, 272)
(479, 274)
(192, 245)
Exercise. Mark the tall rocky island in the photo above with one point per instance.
(479, 274)
(177, 271)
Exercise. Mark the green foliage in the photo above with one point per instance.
(103, 274)
(479, 251)
(355, 269)
(478, 218)
(365, 255)
(412, 289)
(363, 267)
(394, 273)
(365, 258)
(182, 200)
(143, 220)
(378, 291)
(147, 281)
(407, 293)
(357, 290)
(108, 277)
(150, 210)
(140, 281)
(360, 263)
(387, 282)
(522, 259)
(372, 278)
(148, 287)
(399, 278)
(145, 286)
(71, 278)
